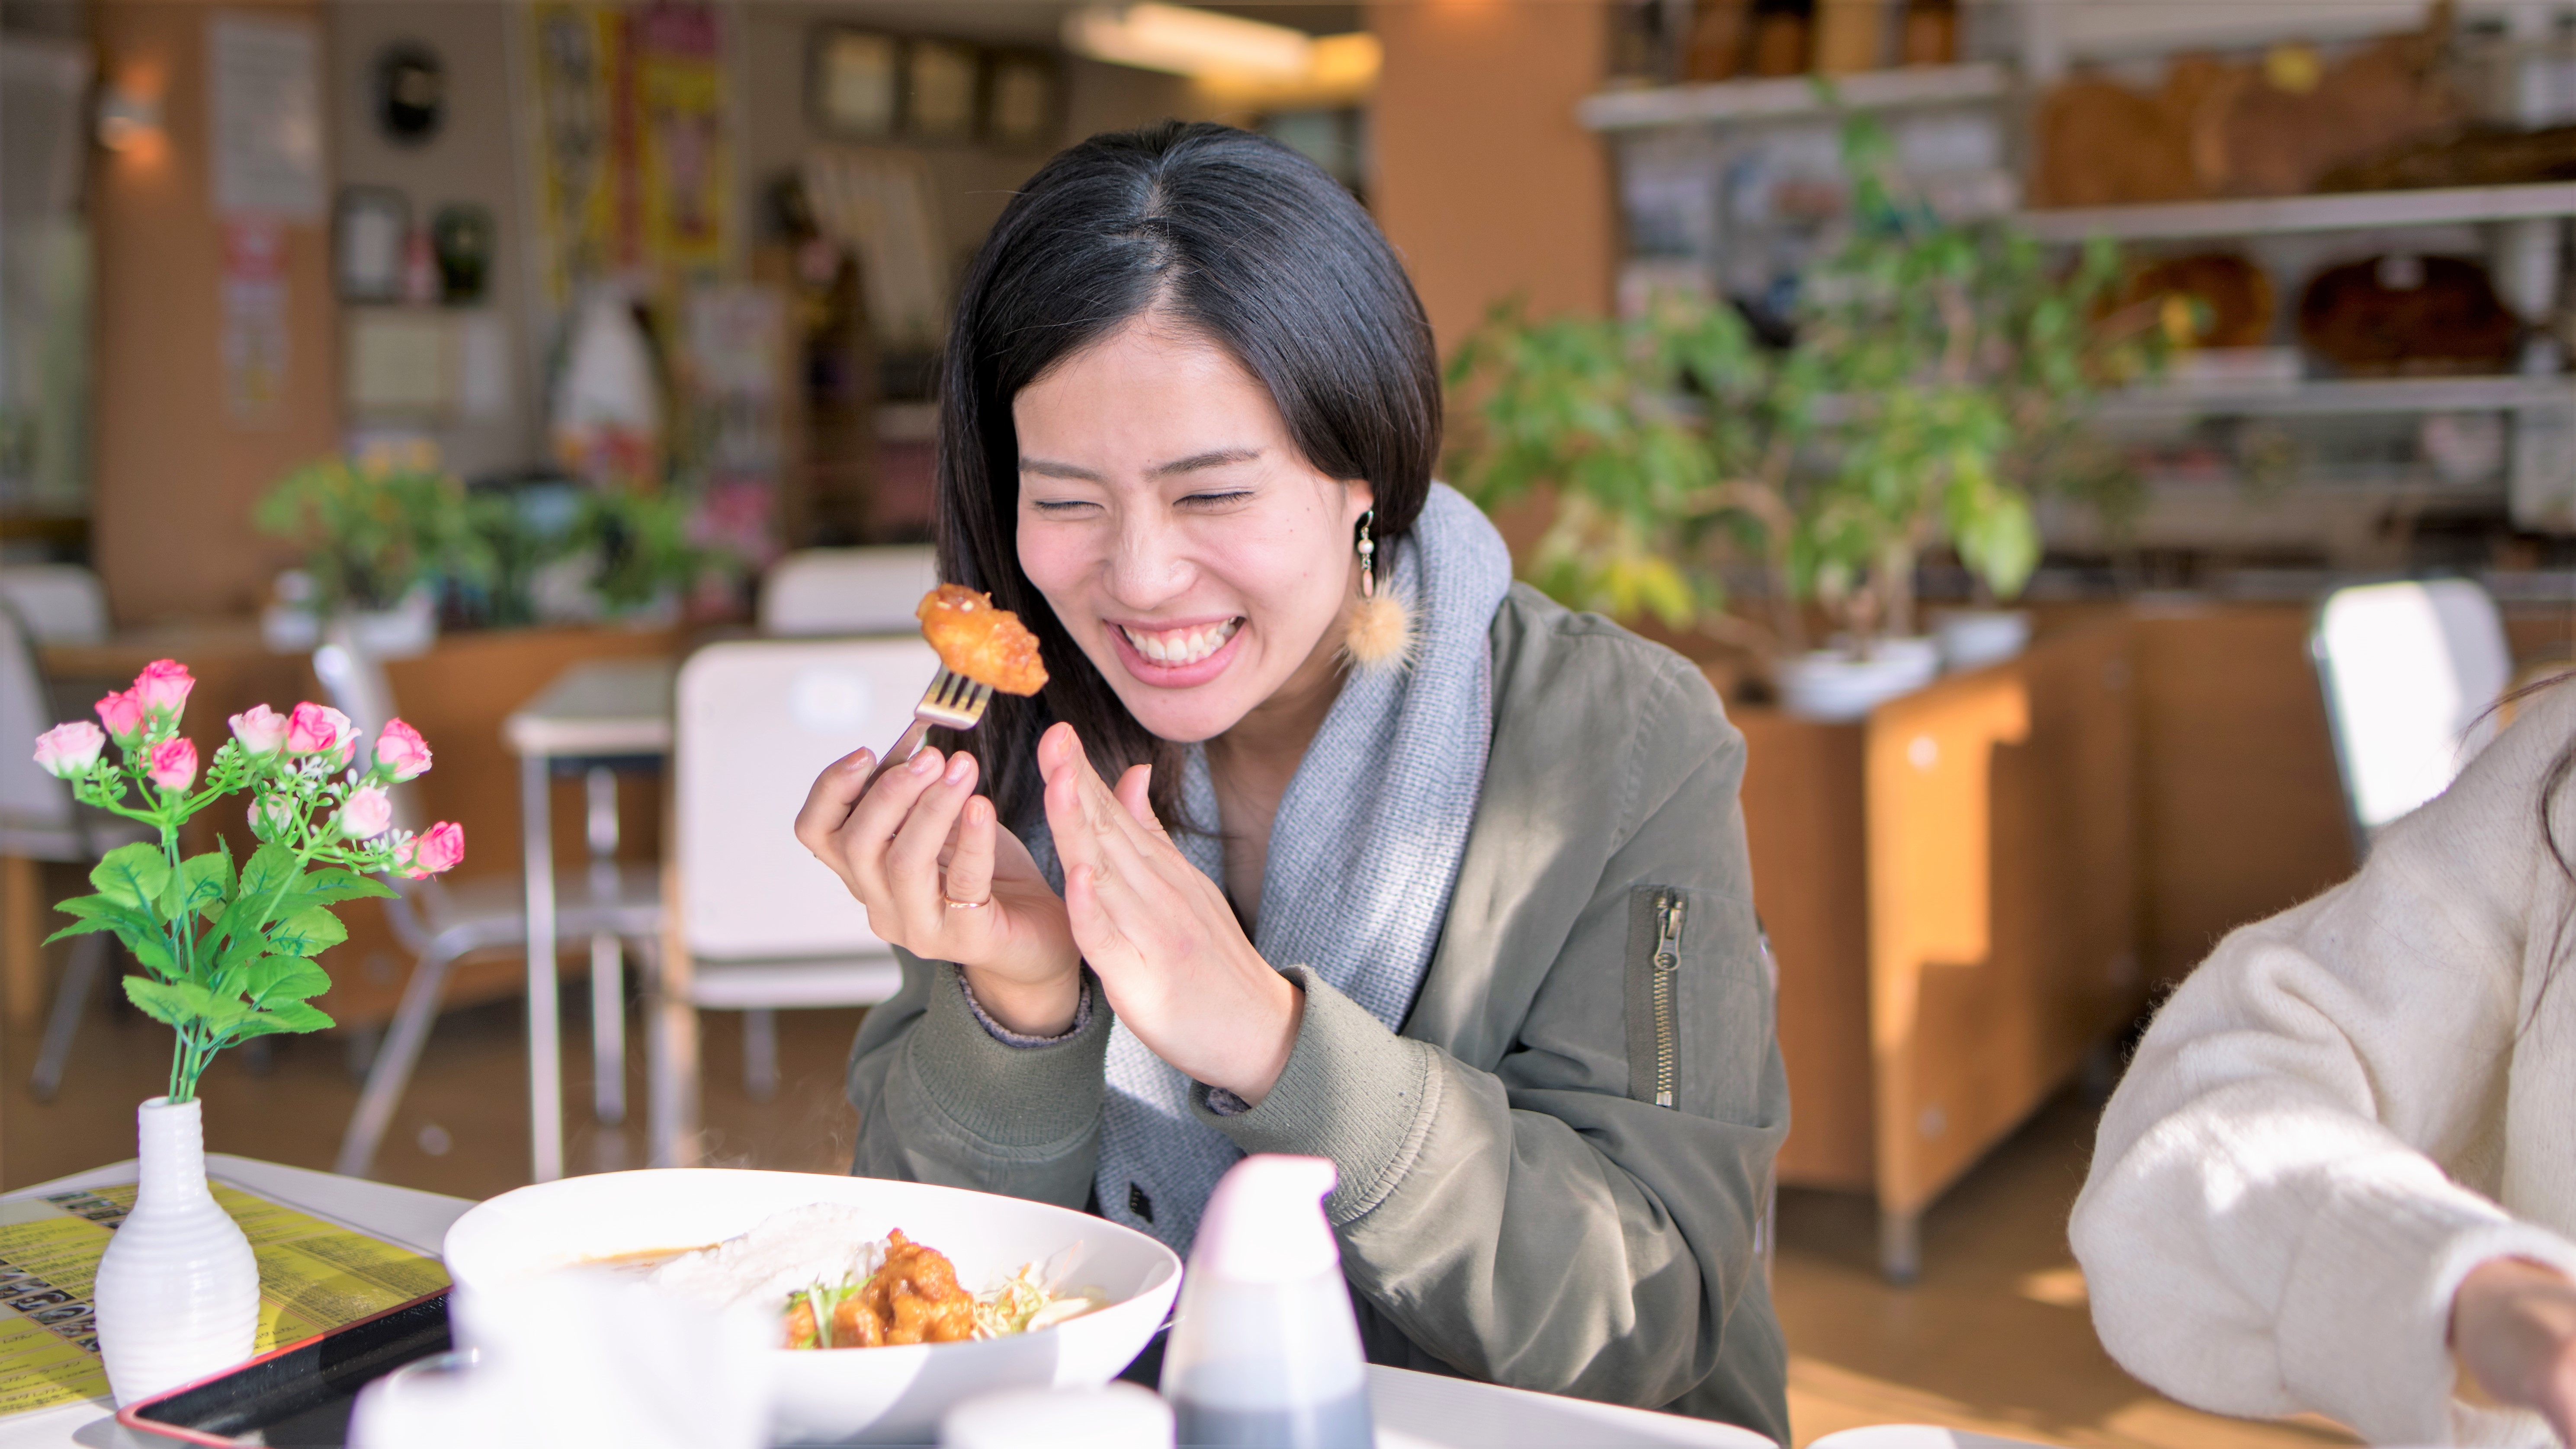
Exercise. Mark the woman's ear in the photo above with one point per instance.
(1357, 498)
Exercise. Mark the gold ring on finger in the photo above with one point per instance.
(965, 905)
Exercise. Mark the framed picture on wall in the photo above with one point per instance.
(858, 82)
(1021, 101)
(369, 227)
(940, 90)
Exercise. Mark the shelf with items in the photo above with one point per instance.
(2285, 215)
(1794, 97)
(2319, 397)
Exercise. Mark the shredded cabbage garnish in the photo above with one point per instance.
(1006, 1310)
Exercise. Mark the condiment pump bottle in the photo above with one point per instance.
(1265, 1353)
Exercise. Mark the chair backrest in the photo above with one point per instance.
(355, 682)
(2410, 672)
(29, 797)
(757, 720)
(846, 591)
(58, 603)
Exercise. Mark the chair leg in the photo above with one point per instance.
(671, 1057)
(395, 1059)
(71, 998)
(607, 1031)
(760, 1053)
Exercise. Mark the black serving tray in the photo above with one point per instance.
(299, 1396)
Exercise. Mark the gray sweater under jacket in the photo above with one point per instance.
(1514, 1205)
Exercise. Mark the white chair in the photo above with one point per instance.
(759, 923)
(39, 821)
(58, 603)
(442, 922)
(2411, 673)
(846, 591)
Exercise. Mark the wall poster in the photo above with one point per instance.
(634, 145)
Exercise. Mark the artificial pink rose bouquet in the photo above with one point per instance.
(228, 951)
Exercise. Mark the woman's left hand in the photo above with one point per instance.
(1159, 934)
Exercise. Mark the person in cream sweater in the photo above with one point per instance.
(2340, 1174)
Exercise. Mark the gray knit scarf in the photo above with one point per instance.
(1363, 854)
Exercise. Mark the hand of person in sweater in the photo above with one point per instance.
(2513, 1325)
(940, 878)
(1166, 946)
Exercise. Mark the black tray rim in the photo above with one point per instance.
(130, 1416)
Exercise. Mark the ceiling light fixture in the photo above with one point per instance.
(1187, 41)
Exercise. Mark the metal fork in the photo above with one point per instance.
(952, 702)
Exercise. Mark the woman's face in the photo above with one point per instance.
(1182, 539)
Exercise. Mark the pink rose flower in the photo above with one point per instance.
(316, 729)
(436, 849)
(269, 815)
(260, 729)
(174, 764)
(400, 748)
(124, 715)
(68, 750)
(368, 814)
(163, 687)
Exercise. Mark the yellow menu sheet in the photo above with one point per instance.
(314, 1276)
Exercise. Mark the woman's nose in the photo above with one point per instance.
(1150, 565)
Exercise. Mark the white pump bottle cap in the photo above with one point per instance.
(1265, 1222)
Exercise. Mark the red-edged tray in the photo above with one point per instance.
(298, 1395)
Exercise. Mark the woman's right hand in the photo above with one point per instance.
(2513, 1326)
(940, 878)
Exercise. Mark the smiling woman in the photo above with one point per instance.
(1463, 907)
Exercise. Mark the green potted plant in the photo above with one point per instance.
(1938, 380)
(381, 532)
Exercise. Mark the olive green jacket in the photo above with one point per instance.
(1553, 1177)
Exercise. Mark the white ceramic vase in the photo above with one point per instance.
(1843, 684)
(178, 1292)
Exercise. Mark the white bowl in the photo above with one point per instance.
(867, 1395)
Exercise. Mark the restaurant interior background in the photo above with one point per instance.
(502, 338)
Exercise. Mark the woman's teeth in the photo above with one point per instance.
(1174, 647)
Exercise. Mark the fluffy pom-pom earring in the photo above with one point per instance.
(1381, 629)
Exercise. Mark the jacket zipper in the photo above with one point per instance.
(1668, 960)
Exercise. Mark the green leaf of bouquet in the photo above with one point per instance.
(308, 932)
(269, 870)
(205, 883)
(292, 1016)
(333, 885)
(276, 979)
(133, 875)
(172, 1003)
(81, 928)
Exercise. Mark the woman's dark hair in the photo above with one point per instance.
(1223, 233)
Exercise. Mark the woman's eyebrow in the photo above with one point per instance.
(1050, 469)
(1216, 458)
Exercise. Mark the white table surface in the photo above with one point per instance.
(598, 707)
(1413, 1411)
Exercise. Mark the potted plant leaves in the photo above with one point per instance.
(381, 532)
(1937, 380)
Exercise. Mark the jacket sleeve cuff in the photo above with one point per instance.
(1352, 1091)
(1002, 1094)
(2365, 1314)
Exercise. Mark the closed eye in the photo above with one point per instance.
(1216, 499)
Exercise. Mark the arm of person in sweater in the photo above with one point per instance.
(1545, 1225)
(2271, 1221)
(942, 1098)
